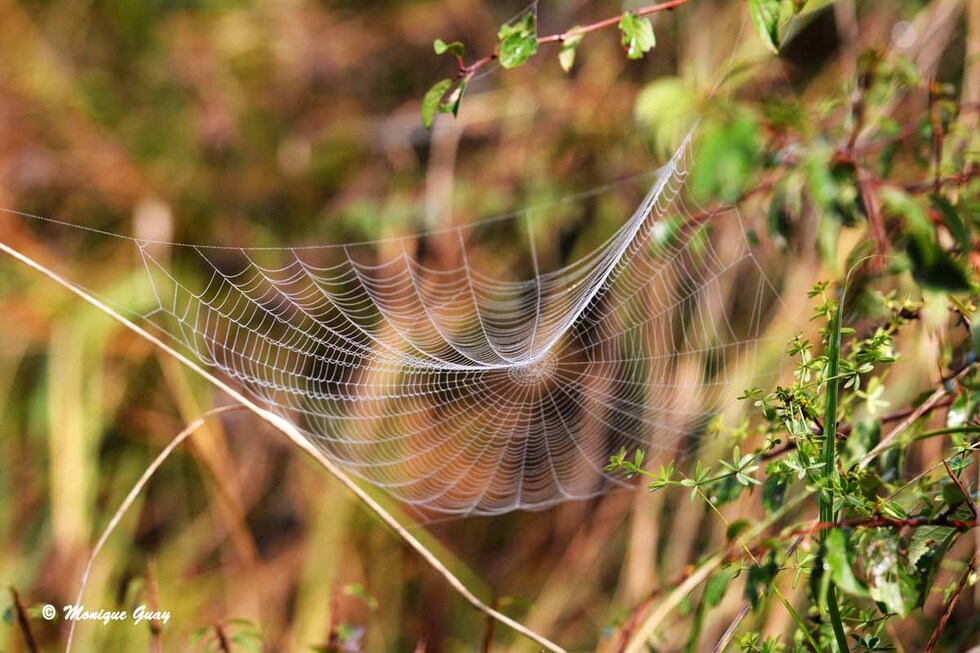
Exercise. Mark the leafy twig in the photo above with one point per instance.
(519, 41)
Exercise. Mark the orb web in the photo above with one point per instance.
(462, 392)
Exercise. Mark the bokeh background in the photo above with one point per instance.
(293, 121)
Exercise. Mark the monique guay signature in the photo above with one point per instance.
(78, 612)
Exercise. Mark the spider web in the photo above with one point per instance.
(464, 392)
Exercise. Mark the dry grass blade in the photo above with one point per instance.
(287, 429)
(131, 497)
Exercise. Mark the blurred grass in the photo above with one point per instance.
(285, 123)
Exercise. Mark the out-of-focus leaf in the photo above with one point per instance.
(566, 56)
(717, 585)
(432, 101)
(926, 550)
(736, 528)
(885, 572)
(451, 105)
(962, 410)
(953, 222)
(667, 107)
(931, 265)
(774, 492)
(765, 18)
(637, 35)
(838, 559)
(863, 438)
(441, 47)
(518, 41)
(769, 16)
(759, 580)
(727, 160)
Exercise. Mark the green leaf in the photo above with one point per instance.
(926, 551)
(953, 222)
(566, 56)
(759, 580)
(727, 160)
(774, 492)
(451, 105)
(432, 101)
(638, 37)
(884, 565)
(518, 41)
(932, 266)
(736, 528)
(962, 410)
(838, 559)
(765, 17)
(717, 585)
(441, 47)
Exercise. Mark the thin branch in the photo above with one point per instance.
(289, 430)
(971, 504)
(951, 605)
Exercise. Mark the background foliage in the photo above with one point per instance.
(851, 152)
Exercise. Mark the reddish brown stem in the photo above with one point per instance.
(24, 622)
(221, 638)
(951, 605)
(964, 490)
(156, 627)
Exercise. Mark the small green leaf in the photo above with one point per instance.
(638, 37)
(765, 18)
(728, 158)
(566, 56)
(441, 47)
(932, 266)
(451, 105)
(518, 41)
(736, 528)
(432, 101)
(884, 565)
(717, 585)
(774, 492)
(838, 560)
(954, 223)
(759, 580)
